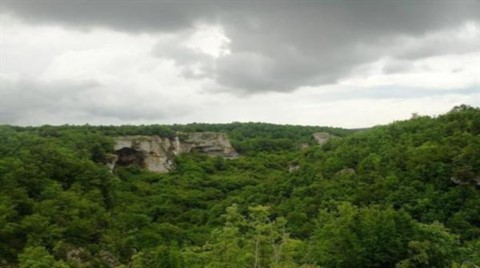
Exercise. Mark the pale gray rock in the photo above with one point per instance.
(293, 167)
(475, 181)
(322, 137)
(157, 153)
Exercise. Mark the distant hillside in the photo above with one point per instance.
(405, 194)
(245, 137)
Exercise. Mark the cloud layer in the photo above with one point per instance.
(141, 61)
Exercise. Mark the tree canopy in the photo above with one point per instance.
(400, 195)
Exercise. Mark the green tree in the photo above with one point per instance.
(361, 237)
(38, 257)
(433, 246)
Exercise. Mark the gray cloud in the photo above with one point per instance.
(276, 46)
(26, 97)
(393, 92)
(396, 66)
(133, 16)
(143, 16)
(28, 100)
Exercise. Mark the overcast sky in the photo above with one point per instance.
(331, 63)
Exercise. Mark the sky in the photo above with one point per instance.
(342, 63)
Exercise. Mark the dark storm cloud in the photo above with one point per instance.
(276, 46)
(134, 16)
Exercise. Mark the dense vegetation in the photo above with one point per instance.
(402, 195)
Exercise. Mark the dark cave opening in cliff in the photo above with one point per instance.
(129, 157)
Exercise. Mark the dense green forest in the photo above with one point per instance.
(402, 195)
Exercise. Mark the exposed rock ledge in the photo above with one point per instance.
(322, 137)
(156, 153)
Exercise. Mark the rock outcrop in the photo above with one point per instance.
(472, 181)
(151, 152)
(322, 137)
(347, 171)
(157, 153)
(210, 143)
(293, 166)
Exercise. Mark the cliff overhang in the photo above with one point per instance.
(157, 154)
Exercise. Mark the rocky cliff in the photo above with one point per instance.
(157, 153)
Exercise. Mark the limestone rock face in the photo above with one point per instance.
(211, 143)
(322, 137)
(150, 152)
(156, 153)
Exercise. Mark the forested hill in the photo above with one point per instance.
(247, 138)
(402, 195)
